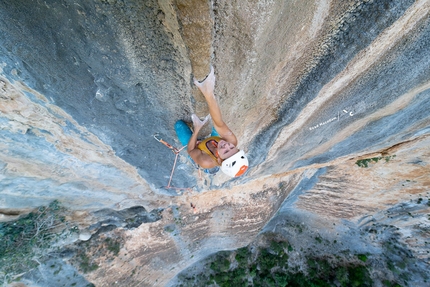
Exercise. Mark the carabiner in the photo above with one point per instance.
(175, 150)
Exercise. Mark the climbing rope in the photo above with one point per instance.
(176, 151)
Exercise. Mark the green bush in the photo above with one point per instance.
(365, 162)
(281, 278)
(220, 265)
(25, 242)
(362, 257)
(278, 247)
(359, 276)
(242, 255)
(267, 260)
(238, 277)
(222, 279)
(85, 263)
(267, 266)
(113, 246)
(342, 276)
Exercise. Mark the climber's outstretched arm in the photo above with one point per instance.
(207, 89)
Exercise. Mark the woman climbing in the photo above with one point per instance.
(219, 149)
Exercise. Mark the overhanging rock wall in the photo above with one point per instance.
(305, 85)
(328, 75)
(121, 71)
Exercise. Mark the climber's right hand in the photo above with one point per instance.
(208, 85)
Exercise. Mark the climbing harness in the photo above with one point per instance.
(176, 151)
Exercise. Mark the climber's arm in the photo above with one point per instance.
(220, 126)
(199, 157)
(192, 143)
(207, 89)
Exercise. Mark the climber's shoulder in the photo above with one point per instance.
(202, 158)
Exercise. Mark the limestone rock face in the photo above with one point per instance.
(308, 87)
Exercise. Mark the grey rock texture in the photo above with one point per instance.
(308, 87)
(100, 62)
(122, 70)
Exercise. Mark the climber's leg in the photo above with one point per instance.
(214, 133)
(183, 132)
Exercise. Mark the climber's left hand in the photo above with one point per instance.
(197, 123)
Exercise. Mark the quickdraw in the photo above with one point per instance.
(176, 151)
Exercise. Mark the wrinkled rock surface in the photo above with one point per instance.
(308, 87)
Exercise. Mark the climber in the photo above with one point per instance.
(220, 148)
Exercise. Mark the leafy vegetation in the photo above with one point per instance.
(113, 245)
(362, 257)
(88, 254)
(27, 241)
(268, 266)
(365, 162)
(85, 264)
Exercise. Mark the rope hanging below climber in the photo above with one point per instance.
(176, 151)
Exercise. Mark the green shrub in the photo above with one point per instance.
(113, 245)
(25, 242)
(220, 265)
(281, 278)
(359, 276)
(365, 162)
(238, 277)
(242, 255)
(222, 279)
(85, 264)
(342, 276)
(388, 283)
(267, 266)
(362, 257)
(267, 260)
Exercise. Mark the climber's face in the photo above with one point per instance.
(226, 149)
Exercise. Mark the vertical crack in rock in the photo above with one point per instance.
(195, 17)
(196, 28)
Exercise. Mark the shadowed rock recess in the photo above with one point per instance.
(329, 98)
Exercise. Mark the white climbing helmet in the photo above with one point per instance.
(236, 165)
